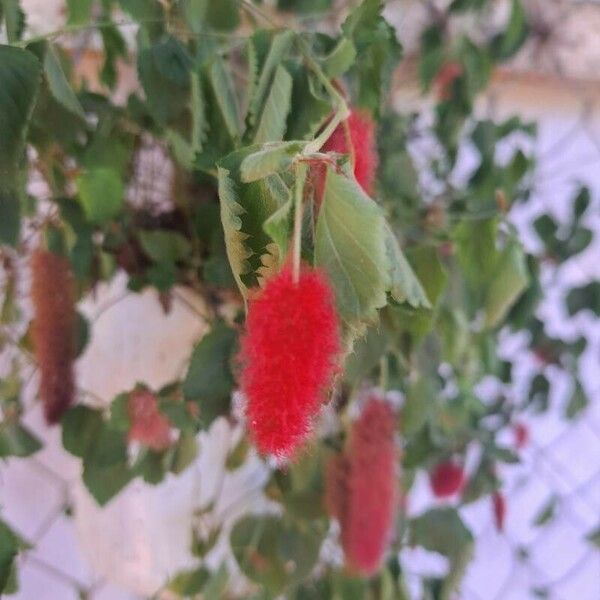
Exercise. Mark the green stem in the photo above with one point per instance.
(301, 170)
(77, 28)
(383, 373)
(342, 112)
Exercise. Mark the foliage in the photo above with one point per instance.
(425, 273)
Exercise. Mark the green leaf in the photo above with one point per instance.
(80, 428)
(366, 354)
(16, 440)
(405, 287)
(441, 530)
(186, 452)
(104, 482)
(216, 586)
(419, 406)
(223, 15)
(187, 584)
(586, 297)
(280, 46)
(14, 19)
(311, 106)
(581, 203)
(238, 252)
(432, 55)
(164, 246)
(273, 157)
(164, 72)
(101, 193)
(593, 537)
(476, 250)
(304, 6)
(277, 107)
(209, 379)
(222, 86)
(340, 59)
(546, 228)
(425, 262)
(377, 52)
(514, 35)
(9, 548)
(244, 209)
(546, 514)
(79, 11)
(273, 553)
(510, 279)
(350, 245)
(19, 83)
(58, 84)
(198, 109)
(82, 334)
(577, 403)
(114, 47)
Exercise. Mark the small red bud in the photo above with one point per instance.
(499, 508)
(149, 426)
(521, 435)
(447, 479)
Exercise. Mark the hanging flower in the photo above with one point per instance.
(289, 356)
(447, 479)
(53, 330)
(361, 488)
(148, 425)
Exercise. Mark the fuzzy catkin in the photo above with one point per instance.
(289, 355)
(148, 425)
(356, 137)
(53, 330)
(361, 490)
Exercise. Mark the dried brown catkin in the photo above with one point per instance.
(53, 296)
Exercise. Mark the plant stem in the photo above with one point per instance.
(301, 170)
(342, 112)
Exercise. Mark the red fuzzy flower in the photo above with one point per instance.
(361, 488)
(148, 426)
(521, 435)
(289, 356)
(499, 508)
(53, 330)
(447, 479)
(355, 137)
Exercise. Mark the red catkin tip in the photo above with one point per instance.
(148, 425)
(361, 489)
(356, 137)
(53, 330)
(499, 509)
(289, 355)
(447, 479)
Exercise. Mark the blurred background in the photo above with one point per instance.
(550, 545)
